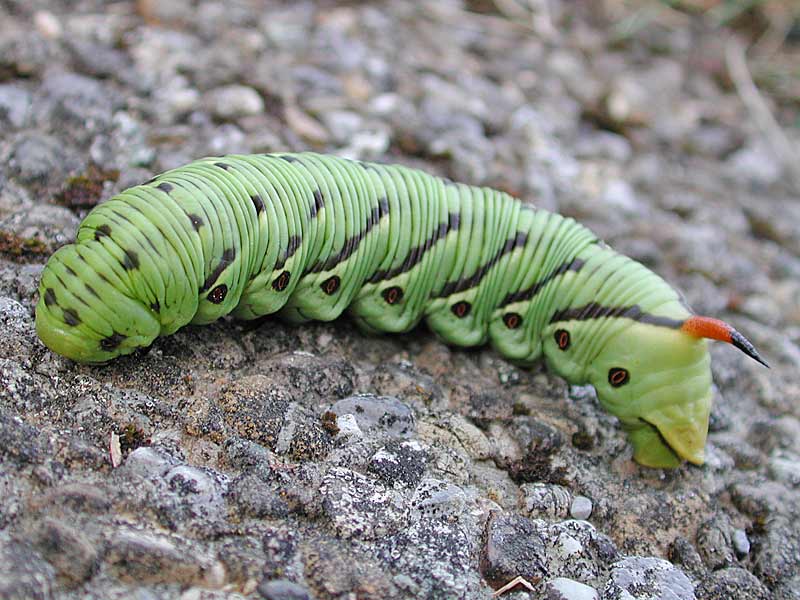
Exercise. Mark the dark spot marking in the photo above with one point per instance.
(103, 230)
(512, 320)
(131, 260)
(618, 376)
(393, 294)
(281, 282)
(155, 306)
(197, 221)
(562, 339)
(165, 187)
(71, 317)
(112, 342)
(222, 165)
(49, 297)
(217, 295)
(331, 284)
(258, 203)
(461, 309)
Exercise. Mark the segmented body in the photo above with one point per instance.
(309, 235)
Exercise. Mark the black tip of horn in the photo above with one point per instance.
(743, 344)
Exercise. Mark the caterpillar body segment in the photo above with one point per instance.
(307, 236)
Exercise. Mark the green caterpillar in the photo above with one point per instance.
(307, 236)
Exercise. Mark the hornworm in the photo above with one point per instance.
(307, 236)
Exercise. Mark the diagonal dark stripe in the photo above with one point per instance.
(466, 283)
(416, 253)
(528, 293)
(291, 247)
(228, 257)
(352, 243)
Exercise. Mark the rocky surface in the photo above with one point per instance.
(289, 463)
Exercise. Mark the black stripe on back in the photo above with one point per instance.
(416, 253)
(466, 283)
(353, 242)
(291, 247)
(593, 310)
(228, 257)
(528, 293)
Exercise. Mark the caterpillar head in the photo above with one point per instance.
(83, 315)
(657, 381)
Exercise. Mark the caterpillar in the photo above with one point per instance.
(307, 236)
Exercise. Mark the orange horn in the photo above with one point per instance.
(714, 329)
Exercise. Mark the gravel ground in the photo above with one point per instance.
(286, 463)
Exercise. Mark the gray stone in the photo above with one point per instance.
(562, 588)
(785, 468)
(789, 590)
(36, 158)
(15, 103)
(74, 555)
(547, 501)
(571, 549)
(146, 557)
(647, 578)
(755, 163)
(255, 498)
(234, 101)
(378, 414)
(24, 574)
(732, 582)
(714, 542)
(741, 543)
(581, 508)
(81, 103)
(777, 556)
(435, 498)
(19, 441)
(281, 589)
(399, 462)
(149, 461)
(360, 508)
(200, 491)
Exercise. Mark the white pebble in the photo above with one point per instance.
(47, 24)
(740, 542)
(581, 508)
(235, 101)
(569, 589)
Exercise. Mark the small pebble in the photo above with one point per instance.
(740, 543)
(562, 588)
(281, 589)
(581, 508)
(234, 101)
